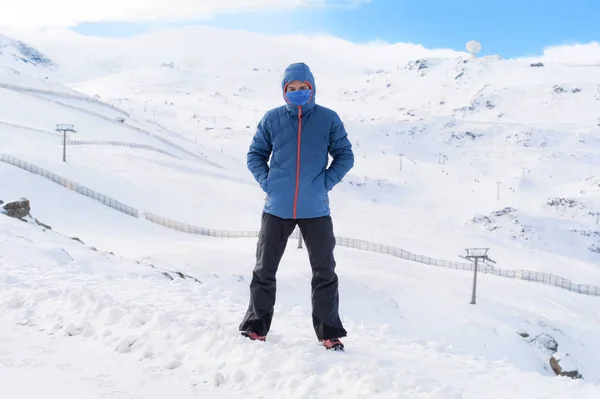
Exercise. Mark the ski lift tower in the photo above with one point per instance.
(473, 47)
(476, 254)
(64, 128)
(597, 214)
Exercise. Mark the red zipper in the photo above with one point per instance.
(298, 161)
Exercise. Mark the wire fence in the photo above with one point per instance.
(81, 97)
(177, 146)
(91, 142)
(32, 129)
(169, 143)
(525, 275)
(120, 144)
(88, 192)
(204, 231)
(74, 107)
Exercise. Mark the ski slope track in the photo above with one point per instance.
(111, 288)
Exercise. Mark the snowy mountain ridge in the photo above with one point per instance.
(23, 52)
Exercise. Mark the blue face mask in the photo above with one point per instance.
(298, 97)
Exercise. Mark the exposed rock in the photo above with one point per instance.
(77, 239)
(458, 138)
(42, 224)
(506, 220)
(561, 364)
(559, 89)
(417, 65)
(565, 370)
(504, 211)
(565, 202)
(588, 233)
(178, 274)
(546, 343)
(16, 209)
(464, 110)
(68, 255)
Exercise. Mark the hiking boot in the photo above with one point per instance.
(254, 336)
(333, 343)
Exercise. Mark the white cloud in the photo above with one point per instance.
(84, 57)
(573, 53)
(65, 13)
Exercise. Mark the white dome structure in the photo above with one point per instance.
(473, 47)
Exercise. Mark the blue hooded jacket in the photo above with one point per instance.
(298, 141)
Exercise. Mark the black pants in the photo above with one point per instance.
(320, 242)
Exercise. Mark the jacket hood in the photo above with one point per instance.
(299, 71)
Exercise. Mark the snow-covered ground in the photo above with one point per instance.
(432, 140)
(412, 331)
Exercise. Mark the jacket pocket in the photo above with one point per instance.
(264, 184)
(328, 185)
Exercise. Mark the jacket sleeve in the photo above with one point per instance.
(340, 150)
(258, 155)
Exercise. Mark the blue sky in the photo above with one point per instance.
(507, 27)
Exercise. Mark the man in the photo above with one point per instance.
(298, 137)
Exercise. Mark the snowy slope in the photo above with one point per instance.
(148, 335)
(460, 127)
(93, 121)
(24, 63)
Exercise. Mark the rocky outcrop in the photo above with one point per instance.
(564, 202)
(545, 343)
(45, 226)
(16, 209)
(21, 210)
(560, 363)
